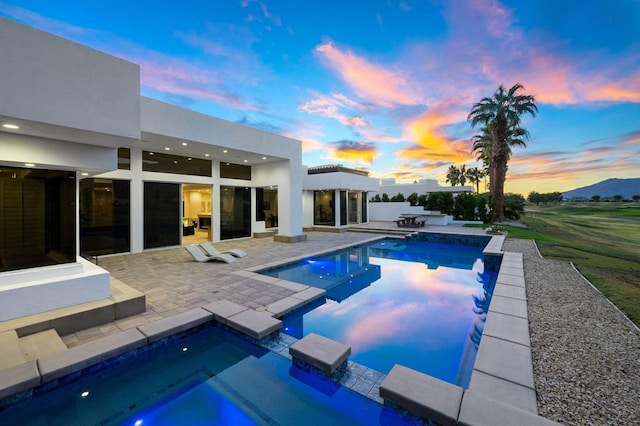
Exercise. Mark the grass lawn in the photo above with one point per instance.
(601, 239)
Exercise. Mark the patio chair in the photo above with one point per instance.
(199, 256)
(210, 250)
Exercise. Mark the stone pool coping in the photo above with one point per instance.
(501, 386)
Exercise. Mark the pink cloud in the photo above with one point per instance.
(330, 106)
(371, 82)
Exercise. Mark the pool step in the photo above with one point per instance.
(387, 231)
(37, 345)
(10, 352)
(16, 350)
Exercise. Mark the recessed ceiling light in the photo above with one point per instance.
(84, 174)
(190, 158)
(10, 126)
(225, 151)
(246, 161)
(184, 144)
(151, 153)
(264, 158)
(29, 164)
(175, 161)
(206, 155)
(167, 149)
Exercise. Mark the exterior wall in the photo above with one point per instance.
(15, 150)
(307, 209)
(171, 121)
(53, 80)
(423, 187)
(392, 211)
(340, 180)
(38, 290)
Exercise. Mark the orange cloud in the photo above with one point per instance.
(354, 152)
(430, 141)
(374, 83)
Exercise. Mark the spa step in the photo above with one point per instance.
(10, 352)
(37, 345)
(124, 301)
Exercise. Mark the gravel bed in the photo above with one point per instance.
(586, 354)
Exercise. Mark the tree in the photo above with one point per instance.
(535, 197)
(636, 197)
(464, 207)
(375, 198)
(596, 198)
(474, 175)
(501, 115)
(413, 199)
(440, 201)
(514, 206)
(399, 197)
(453, 175)
(617, 198)
(385, 197)
(462, 178)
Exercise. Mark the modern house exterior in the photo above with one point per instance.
(88, 166)
(335, 197)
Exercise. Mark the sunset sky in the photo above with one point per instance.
(387, 85)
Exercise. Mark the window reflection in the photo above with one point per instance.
(176, 164)
(162, 215)
(235, 212)
(323, 202)
(104, 216)
(37, 218)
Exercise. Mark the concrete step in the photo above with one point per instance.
(37, 345)
(386, 231)
(10, 352)
(124, 301)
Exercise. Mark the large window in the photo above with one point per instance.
(323, 213)
(235, 212)
(162, 215)
(104, 216)
(343, 208)
(124, 158)
(37, 218)
(235, 171)
(175, 164)
(267, 206)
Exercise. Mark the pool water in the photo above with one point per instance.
(208, 377)
(414, 303)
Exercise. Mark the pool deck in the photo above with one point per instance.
(174, 285)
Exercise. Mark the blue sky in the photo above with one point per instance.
(387, 85)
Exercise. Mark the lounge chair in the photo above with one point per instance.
(199, 256)
(210, 250)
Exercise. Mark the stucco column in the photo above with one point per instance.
(290, 202)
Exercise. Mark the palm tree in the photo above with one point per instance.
(501, 115)
(482, 146)
(462, 179)
(474, 175)
(453, 175)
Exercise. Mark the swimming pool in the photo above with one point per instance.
(416, 303)
(205, 377)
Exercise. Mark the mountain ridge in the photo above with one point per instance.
(607, 188)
